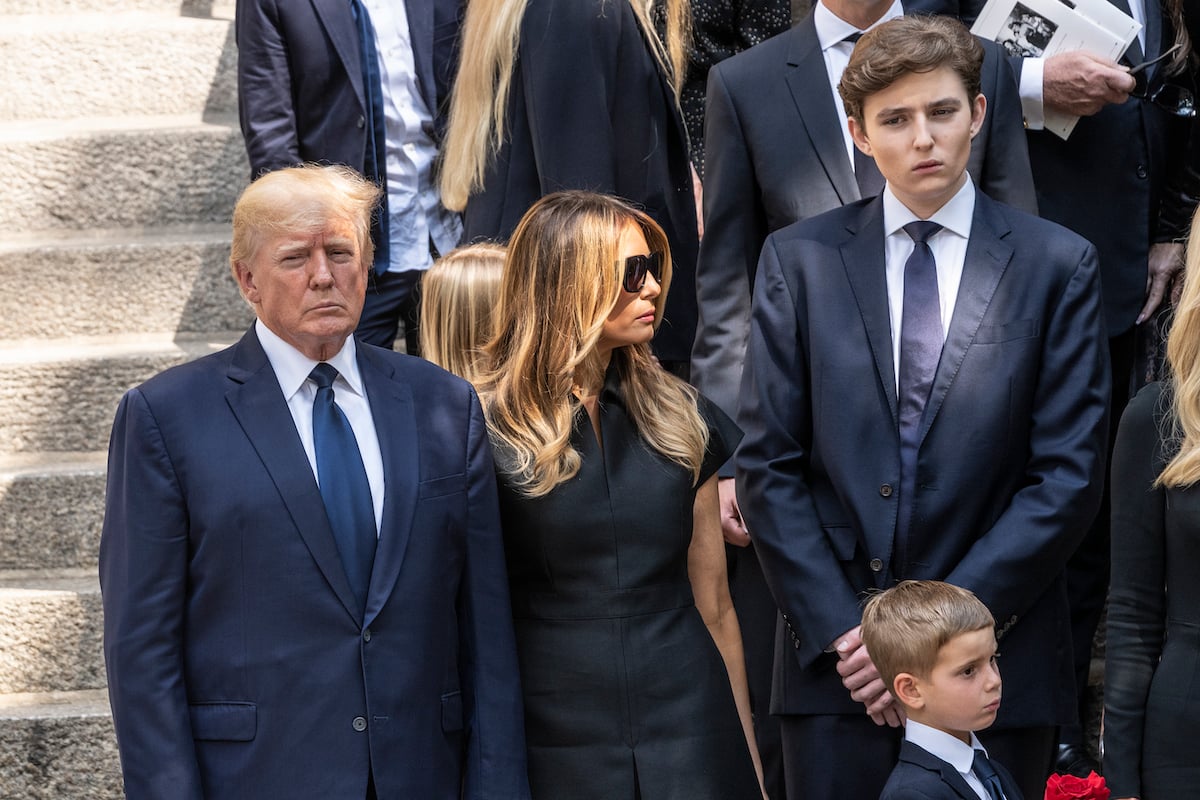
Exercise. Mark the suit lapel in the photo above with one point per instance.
(342, 31)
(986, 260)
(863, 257)
(396, 426)
(260, 409)
(808, 81)
(921, 757)
(420, 37)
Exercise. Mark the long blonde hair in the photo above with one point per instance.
(491, 39)
(562, 278)
(458, 298)
(1183, 365)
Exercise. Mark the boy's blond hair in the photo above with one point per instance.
(905, 626)
(458, 301)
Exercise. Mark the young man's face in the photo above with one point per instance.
(962, 692)
(919, 131)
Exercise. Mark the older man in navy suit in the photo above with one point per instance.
(302, 571)
(924, 396)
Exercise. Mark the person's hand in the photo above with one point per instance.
(1164, 264)
(698, 191)
(1081, 84)
(732, 524)
(862, 679)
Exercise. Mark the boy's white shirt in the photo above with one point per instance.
(949, 749)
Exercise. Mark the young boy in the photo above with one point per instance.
(924, 396)
(935, 647)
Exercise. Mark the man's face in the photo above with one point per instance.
(919, 131)
(308, 286)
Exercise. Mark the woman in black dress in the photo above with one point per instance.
(630, 653)
(1152, 665)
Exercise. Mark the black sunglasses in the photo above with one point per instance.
(636, 268)
(1172, 98)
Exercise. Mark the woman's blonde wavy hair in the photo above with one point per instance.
(1183, 366)
(458, 302)
(491, 39)
(562, 278)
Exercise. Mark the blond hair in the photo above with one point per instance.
(302, 198)
(905, 626)
(491, 40)
(562, 278)
(1183, 365)
(458, 298)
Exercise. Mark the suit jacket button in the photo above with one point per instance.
(361, 122)
(367, 635)
(359, 724)
(885, 490)
(876, 565)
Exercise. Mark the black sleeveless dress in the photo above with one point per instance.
(626, 694)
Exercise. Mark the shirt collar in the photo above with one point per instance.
(292, 367)
(941, 744)
(832, 29)
(955, 216)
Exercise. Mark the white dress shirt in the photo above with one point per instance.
(950, 749)
(292, 369)
(831, 33)
(416, 215)
(949, 247)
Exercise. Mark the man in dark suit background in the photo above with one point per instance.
(779, 151)
(949, 427)
(301, 564)
(361, 83)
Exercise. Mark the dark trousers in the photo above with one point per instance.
(757, 614)
(393, 299)
(849, 757)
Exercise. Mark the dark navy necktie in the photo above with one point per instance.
(920, 349)
(866, 174)
(344, 485)
(376, 155)
(983, 769)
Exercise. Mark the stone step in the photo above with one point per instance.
(187, 8)
(105, 173)
(58, 746)
(52, 636)
(51, 510)
(99, 283)
(60, 395)
(115, 62)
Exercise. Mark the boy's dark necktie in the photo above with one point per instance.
(983, 769)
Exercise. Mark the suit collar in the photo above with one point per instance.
(258, 404)
(862, 258)
(808, 82)
(918, 756)
(342, 30)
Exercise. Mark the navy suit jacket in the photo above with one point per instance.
(239, 665)
(775, 154)
(300, 82)
(920, 775)
(1011, 454)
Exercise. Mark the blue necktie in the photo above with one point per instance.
(376, 155)
(920, 349)
(983, 769)
(344, 485)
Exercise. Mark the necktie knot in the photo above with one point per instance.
(852, 38)
(921, 230)
(323, 375)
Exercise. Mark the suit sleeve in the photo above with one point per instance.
(1137, 595)
(265, 109)
(1007, 175)
(143, 579)
(734, 230)
(1013, 563)
(773, 465)
(568, 54)
(491, 687)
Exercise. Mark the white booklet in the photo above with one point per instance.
(1032, 28)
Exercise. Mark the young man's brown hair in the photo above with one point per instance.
(905, 626)
(905, 45)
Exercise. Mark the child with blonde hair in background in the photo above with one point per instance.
(459, 294)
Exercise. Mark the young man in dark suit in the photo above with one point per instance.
(924, 396)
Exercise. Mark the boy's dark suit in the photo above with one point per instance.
(1010, 459)
(920, 775)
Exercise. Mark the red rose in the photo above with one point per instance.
(1071, 787)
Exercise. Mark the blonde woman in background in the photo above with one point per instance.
(458, 297)
(576, 94)
(629, 647)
